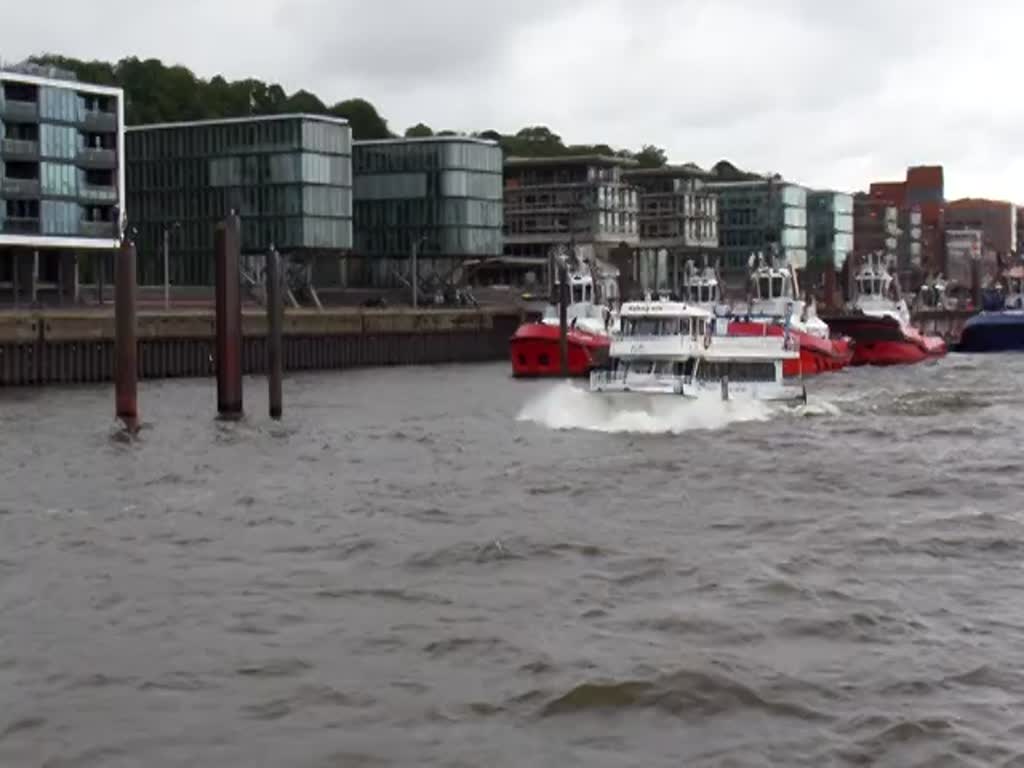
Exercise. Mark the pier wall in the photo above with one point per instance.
(54, 347)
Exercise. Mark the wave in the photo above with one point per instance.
(565, 406)
(682, 694)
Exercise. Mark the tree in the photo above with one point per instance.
(362, 118)
(418, 131)
(651, 157)
(304, 102)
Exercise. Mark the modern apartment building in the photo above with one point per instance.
(581, 200)
(829, 229)
(997, 220)
(61, 178)
(678, 218)
(288, 177)
(896, 233)
(921, 202)
(757, 216)
(964, 247)
(439, 195)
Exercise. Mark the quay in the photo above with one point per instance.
(66, 346)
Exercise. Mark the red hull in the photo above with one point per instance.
(902, 352)
(536, 352)
(817, 355)
(883, 341)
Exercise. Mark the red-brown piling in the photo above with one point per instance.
(126, 368)
(275, 318)
(227, 247)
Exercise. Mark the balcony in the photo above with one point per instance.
(103, 229)
(100, 122)
(97, 159)
(13, 111)
(102, 194)
(13, 189)
(19, 149)
(19, 226)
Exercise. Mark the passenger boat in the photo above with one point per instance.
(775, 303)
(999, 327)
(671, 348)
(879, 322)
(535, 346)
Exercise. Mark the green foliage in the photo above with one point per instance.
(418, 131)
(157, 93)
(363, 117)
(651, 157)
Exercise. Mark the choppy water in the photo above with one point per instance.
(415, 569)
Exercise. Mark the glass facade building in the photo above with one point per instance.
(551, 202)
(61, 175)
(755, 215)
(829, 229)
(288, 177)
(441, 194)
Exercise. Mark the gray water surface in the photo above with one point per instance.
(404, 573)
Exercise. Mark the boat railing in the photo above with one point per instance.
(760, 345)
(619, 377)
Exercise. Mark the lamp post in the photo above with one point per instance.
(167, 263)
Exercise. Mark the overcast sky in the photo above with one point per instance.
(829, 94)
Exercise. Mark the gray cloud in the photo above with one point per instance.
(828, 94)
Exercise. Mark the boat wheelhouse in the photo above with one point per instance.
(703, 288)
(878, 321)
(774, 303)
(591, 319)
(671, 348)
(878, 292)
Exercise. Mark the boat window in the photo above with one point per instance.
(776, 286)
(577, 294)
(736, 371)
(763, 285)
(642, 367)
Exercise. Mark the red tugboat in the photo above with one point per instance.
(775, 305)
(879, 322)
(535, 346)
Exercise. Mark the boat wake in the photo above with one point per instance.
(565, 406)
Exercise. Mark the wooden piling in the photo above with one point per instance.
(275, 319)
(227, 247)
(126, 367)
(563, 317)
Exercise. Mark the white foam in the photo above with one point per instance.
(567, 406)
(814, 407)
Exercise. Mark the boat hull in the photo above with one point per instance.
(817, 355)
(884, 341)
(704, 391)
(993, 332)
(536, 351)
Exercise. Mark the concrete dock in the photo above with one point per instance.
(54, 346)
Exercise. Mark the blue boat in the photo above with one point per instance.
(999, 327)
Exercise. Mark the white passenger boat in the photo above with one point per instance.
(671, 348)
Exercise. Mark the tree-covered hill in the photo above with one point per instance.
(157, 93)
